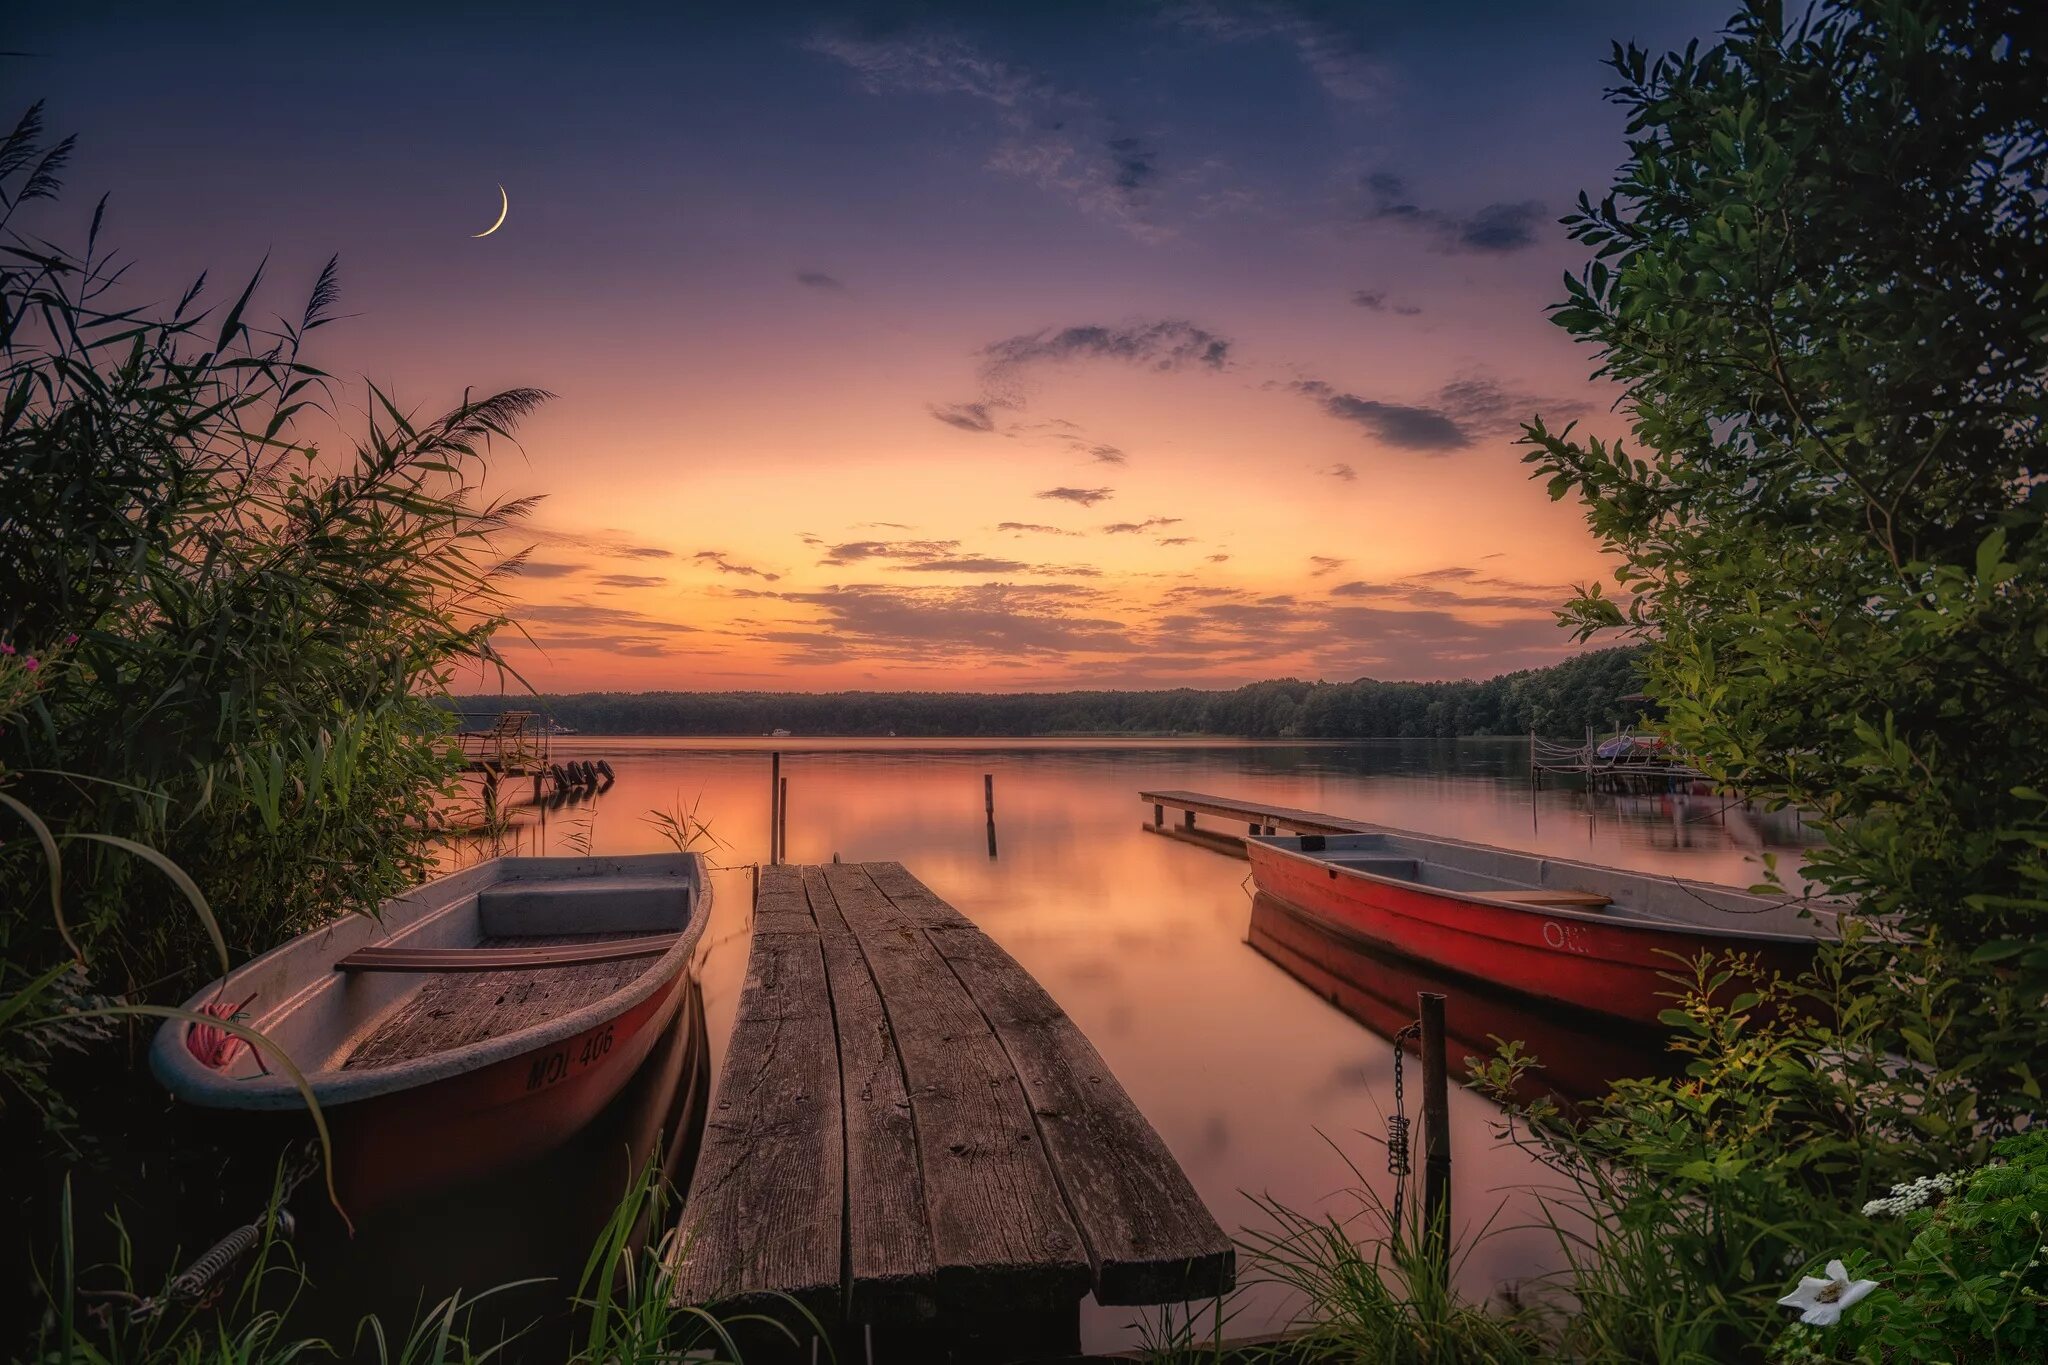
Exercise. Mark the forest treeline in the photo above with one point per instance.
(1561, 700)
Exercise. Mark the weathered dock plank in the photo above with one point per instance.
(998, 1220)
(987, 1167)
(890, 1267)
(766, 1207)
(1149, 1237)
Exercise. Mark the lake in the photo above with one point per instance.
(1254, 1080)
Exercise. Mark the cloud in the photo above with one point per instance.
(1051, 135)
(1376, 301)
(1164, 345)
(854, 551)
(1324, 564)
(966, 564)
(1219, 559)
(943, 556)
(718, 561)
(608, 543)
(1398, 424)
(1108, 454)
(1177, 540)
(1494, 229)
(535, 568)
(1343, 473)
(818, 279)
(1122, 528)
(631, 580)
(1432, 588)
(578, 614)
(1032, 527)
(1087, 497)
(966, 416)
(1336, 58)
(985, 622)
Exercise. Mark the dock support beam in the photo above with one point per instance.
(1436, 1134)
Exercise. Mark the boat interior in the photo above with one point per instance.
(471, 957)
(1557, 884)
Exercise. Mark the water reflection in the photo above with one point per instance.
(1579, 1053)
(1144, 940)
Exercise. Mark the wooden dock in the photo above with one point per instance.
(1256, 817)
(912, 1140)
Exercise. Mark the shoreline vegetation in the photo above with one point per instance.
(1820, 281)
(1560, 701)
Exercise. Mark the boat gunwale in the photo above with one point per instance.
(1624, 916)
(189, 1079)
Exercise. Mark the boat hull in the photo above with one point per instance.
(1613, 966)
(393, 1147)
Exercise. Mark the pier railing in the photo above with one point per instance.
(513, 742)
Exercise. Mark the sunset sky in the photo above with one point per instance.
(913, 346)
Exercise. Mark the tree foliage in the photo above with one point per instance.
(1560, 700)
(1822, 282)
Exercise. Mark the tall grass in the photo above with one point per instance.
(1375, 1289)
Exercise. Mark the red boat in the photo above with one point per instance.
(470, 1026)
(1595, 938)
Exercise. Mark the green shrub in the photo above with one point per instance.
(1972, 1285)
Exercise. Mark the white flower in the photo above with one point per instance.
(1822, 1301)
(1915, 1194)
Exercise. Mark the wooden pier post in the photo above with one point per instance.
(782, 821)
(774, 806)
(1436, 1133)
(988, 804)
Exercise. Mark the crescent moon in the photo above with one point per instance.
(504, 207)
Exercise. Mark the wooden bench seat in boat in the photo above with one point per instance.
(1575, 900)
(911, 1138)
(521, 954)
(613, 905)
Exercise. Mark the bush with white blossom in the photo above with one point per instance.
(1972, 1285)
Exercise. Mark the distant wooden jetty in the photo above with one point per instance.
(911, 1139)
(1257, 818)
(1622, 762)
(519, 744)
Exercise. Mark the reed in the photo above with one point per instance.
(1374, 1288)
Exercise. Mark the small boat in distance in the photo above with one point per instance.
(1591, 937)
(472, 1025)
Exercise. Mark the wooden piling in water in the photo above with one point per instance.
(988, 805)
(782, 821)
(1436, 1132)
(774, 807)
